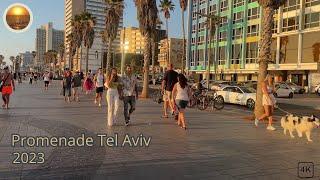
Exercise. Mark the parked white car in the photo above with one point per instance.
(283, 90)
(239, 95)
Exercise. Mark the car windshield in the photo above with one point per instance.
(248, 90)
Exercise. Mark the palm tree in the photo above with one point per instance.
(72, 47)
(269, 7)
(1, 59)
(183, 6)
(167, 6)
(12, 59)
(61, 53)
(147, 14)
(78, 28)
(89, 22)
(114, 12)
(51, 58)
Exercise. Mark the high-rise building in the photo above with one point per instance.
(47, 38)
(97, 9)
(134, 40)
(26, 60)
(295, 46)
(175, 52)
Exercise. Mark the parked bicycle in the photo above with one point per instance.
(210, 99)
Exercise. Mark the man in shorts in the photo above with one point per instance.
(169, 80)
(99, 82)
(76, 85)
(46, 79)
(8, 86)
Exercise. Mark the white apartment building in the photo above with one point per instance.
(97, 9)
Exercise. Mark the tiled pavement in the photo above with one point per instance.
(217, 145)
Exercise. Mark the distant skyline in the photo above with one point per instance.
(45, 11)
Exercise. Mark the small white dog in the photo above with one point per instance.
(288, 123)
(302, 125)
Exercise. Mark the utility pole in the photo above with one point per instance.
(212, 22)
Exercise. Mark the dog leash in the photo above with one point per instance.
(284, 111)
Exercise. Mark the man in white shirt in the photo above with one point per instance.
(130, 93)
(99, 83)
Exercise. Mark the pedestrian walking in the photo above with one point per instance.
(76, 85)
(46, 80)
(130, 93)
(30, 78)
(7, 86)
(99, 83)
(169, 80)
(35, 77)
(113, 85)
(88, 83)
(181, 94)
(66, 86)
(268, 102)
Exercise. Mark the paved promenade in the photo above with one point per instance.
(217, 145)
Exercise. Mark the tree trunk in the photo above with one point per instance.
(109, 54)
(145, 90)
(87, 60)
(264, 55)
(80, 60)
(70, 59)
(153, 52)
(77, 59)
(184, 44)
(168, 50)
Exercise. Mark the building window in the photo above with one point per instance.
(237, 33)
(224, 21)
(311, 47)
(223, 5)
(275, 27)
(290, 24)
(236, 53)
(237, 17)
(312, 20)
(222, 55)
(291, 5)
(222, 36)
(310, 3)
(253, 30)
(252, 53)
(213, 9)
(237, 3)
(253, 13)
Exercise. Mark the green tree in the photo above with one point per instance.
(183, 6)
(72, 47)
(147, 14)
(78, 30)
(114, 12)
(269, 7)
(166, 6)
(89, 22)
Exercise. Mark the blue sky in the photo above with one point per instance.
(45, 11)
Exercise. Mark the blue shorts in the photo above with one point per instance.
(182, 104)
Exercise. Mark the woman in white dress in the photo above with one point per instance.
(268, 102)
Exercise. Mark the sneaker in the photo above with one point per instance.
(256, 122)
(127, 123)
(99, 104)
(271, 128)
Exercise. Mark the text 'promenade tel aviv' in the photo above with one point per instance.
(295, 47)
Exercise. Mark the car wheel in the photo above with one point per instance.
(291, 95)
(318, 91)
(250, 104)
(275, 95)
(219, 102)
